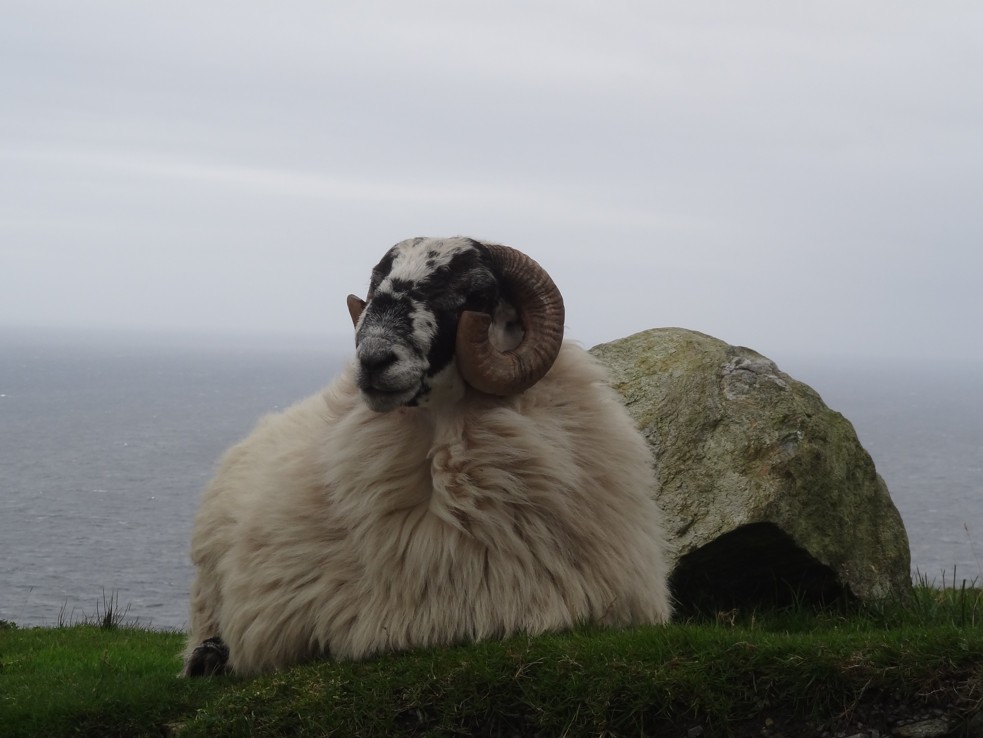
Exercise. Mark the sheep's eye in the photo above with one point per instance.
(444, 301)
(480, 301)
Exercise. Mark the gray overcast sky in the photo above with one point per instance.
(795, 177)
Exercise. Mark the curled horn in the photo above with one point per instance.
(541, 312)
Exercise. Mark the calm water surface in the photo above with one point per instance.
(104, 450)
(106, 444)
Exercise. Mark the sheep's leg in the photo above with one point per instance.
(209, 658)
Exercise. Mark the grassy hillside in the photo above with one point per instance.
(793, 673)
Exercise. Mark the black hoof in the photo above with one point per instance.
(210, 658)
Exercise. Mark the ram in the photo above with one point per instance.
(470, 475)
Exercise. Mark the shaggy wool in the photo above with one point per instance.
(335, 531)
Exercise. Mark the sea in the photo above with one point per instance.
(106, 441)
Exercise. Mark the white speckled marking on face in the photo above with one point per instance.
(415, 259)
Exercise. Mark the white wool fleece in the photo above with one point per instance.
(336, 531)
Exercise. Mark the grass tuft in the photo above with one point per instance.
(108, 615)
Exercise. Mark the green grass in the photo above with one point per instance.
(719, 671)
(88, 680)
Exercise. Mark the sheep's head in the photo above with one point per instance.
(454, 305)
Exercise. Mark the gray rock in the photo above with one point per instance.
(767, 492)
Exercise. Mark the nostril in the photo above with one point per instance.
(375, 354)
(377, 359)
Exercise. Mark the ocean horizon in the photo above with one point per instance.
(107, 440)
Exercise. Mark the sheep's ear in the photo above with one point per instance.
(355, 307)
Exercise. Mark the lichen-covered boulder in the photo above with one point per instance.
(767, 493)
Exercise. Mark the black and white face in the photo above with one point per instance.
(405, 336)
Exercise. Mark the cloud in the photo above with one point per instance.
(768, 173)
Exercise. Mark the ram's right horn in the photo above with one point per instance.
(541, 312)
